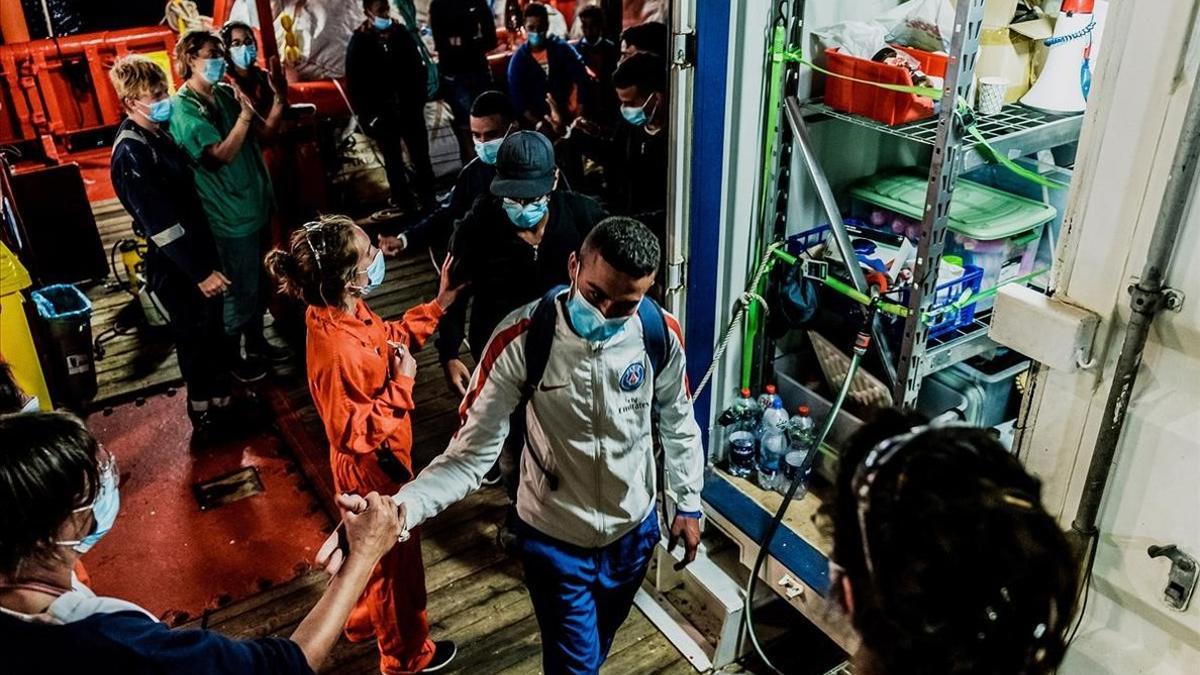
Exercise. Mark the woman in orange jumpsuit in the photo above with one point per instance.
(360, 374)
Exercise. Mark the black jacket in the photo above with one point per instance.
(385, 74)
(152, 177)
(464, 31)
(635, 171)
(504, 271)
(474, 180)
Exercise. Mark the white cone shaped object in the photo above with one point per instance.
(1059, 89)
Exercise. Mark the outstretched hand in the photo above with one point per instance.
(447, 293)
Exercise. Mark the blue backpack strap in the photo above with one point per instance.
(654, 334)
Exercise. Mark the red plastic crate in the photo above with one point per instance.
(889, 107)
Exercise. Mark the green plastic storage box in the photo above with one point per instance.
(994, 230)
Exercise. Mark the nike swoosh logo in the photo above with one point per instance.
(552, 388)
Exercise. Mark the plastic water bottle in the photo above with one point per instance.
(801, 438)
(743, 446)
(748, 413)
(771, 450)
(767, 398)
(774, 417)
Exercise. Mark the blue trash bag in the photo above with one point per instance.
(62, 302)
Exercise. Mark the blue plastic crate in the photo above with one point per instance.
(944, 295)
(949, 293)
(799, 243)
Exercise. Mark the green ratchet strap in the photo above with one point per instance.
(964, 114)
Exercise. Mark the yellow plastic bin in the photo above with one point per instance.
(16, 341)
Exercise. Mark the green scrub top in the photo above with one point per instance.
(237, 197)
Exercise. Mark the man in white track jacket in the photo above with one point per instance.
(586, 498)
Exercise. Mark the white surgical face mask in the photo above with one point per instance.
(32, 405)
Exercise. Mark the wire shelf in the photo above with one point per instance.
(1015, 130)
(843, 669)
(962, 343)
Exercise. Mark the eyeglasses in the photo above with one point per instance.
(106, 467)
(516, 201)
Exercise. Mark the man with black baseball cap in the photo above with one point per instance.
(512, 246)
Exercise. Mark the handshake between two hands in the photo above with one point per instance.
(370, 526)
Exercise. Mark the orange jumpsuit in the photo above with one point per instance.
(364, 408)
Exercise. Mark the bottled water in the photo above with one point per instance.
(801, 435)
(772, 443)
(774, 417)
(742, 422)
(768, 398)
(741, 454)
(771, 450)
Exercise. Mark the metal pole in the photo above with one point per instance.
(799, 129)
(943, 171)
(1149, 296)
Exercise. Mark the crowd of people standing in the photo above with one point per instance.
(551, 290)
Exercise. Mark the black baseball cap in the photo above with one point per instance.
(525, 166)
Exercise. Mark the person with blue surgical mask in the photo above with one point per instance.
(587, 483)
(491, 121)
(512, 246)
(361, 373)
(546, 68)
(155, 181)
(387, 84)
(215, 124)
(262, 86)
(634, 156)
(60, 496)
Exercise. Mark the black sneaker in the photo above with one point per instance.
(443, 653)
(249, 370)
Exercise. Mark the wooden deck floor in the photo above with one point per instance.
(476, 595)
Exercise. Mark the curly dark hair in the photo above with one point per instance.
(967, 572)
(626, 244)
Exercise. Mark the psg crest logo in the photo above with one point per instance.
(632, 379)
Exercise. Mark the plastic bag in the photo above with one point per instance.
(924, 24)
(856, 38)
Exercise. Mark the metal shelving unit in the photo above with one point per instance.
(1015, 131)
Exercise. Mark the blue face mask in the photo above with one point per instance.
(212, 70)
(527, 216)
(243, 56)
(381, 22)
(159, 111)
(589, 322)
(636, 116)
(536, 39)
(488, 150)
(104, 509)
(375, 274)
